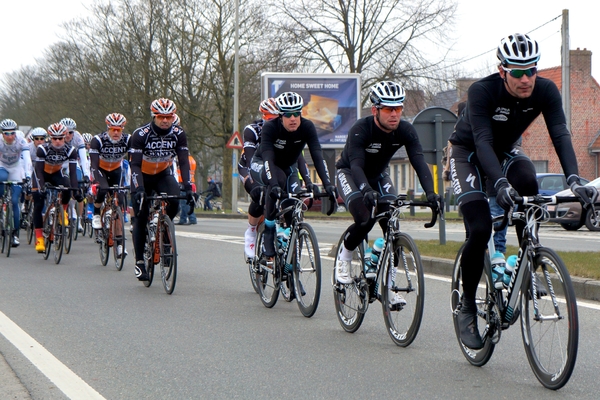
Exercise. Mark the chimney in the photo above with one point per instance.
(581, 61)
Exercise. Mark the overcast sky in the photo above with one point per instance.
(30, 26)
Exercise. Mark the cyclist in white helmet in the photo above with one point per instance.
(485, 144)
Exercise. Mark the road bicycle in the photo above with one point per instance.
(112, 233)
(540, 295)
(295, 271)
(53, 228)
(160, 247)
(7, 222)
(399, 270)
(215, 203)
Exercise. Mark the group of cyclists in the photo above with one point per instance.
(485, 152)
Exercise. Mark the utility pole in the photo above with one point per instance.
(236, 90)
(566, 68)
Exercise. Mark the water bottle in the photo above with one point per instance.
(107, 215)
(283, 236)
(498, 266)
(90, 211)
(376, 251)
(373, 258)
(368, 259)
(511, 262)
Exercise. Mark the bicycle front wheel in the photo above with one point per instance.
(118, 234)
(253, 265)
(168, 255)
(30, 228)
(267, 276)
(403, 276)
(68, 239)
(58, 235)
(475, 357)
(351, 300)
(307, 270)
(549, 324)
(8, 228)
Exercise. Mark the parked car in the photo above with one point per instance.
(571, 216)
(550, 184)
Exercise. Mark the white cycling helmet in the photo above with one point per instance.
(163, 106)
(38, 133)
(8, 125)
(176, 119)
(289, 102)
(69, 123)
(518, 49)
(387, 93)
(268, 106)
(87, 137)
(115, 120)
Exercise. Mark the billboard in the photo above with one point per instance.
(331, 101)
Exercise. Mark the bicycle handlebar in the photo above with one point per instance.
(401, 201)
(537, 199)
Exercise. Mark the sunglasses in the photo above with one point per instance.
(10, 133)
(164, 116)
(292, 114)
(389, 109)
(518, 73)
(39, 138)
(58, 138)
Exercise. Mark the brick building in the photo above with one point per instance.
(585, 120)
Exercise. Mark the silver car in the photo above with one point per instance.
(571, 216)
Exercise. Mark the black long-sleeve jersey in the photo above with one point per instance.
(282, 148)
(494, 120)
(368, 152)
(106, 155)
(50, 160)
(153, 149)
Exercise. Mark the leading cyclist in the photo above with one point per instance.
(485, 144)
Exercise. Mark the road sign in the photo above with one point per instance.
(235, 141)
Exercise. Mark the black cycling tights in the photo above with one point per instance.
(363, 223)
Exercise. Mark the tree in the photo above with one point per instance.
(380, 39)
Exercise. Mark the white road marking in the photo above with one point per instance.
(66, 380)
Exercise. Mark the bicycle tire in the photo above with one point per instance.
(268, 280)
(58, 235)
(8, 225)
(475, 357)
(68, 237)
(286, 287)
(149, 260)
(103, 248)
(76, 227)
(118, 233)
(351, 300)
(550, 344)
(253, 265)
(47, 234)
(403, 322)
(307, 270)
(168, 255)
(2, 225)
(30, 229)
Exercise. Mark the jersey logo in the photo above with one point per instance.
(471, 179)
(499, 117)
(387, 187)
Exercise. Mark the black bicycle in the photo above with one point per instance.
(112, 232)
(160, 247)
(540, 294)
(295, 271)
(399, 270)
(7, 223)
(55, 222)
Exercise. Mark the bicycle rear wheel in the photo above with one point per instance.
(253, 265)
(475, 357)
(118, 236)
(403, 273)
(168, 255)
(47, 233)
(307, 270)
(58, 232)
(268, 277)
(550, 333)
(103, 247)
(351, 300)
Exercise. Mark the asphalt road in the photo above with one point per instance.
(213, 338)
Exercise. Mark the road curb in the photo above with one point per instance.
(585, 289)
